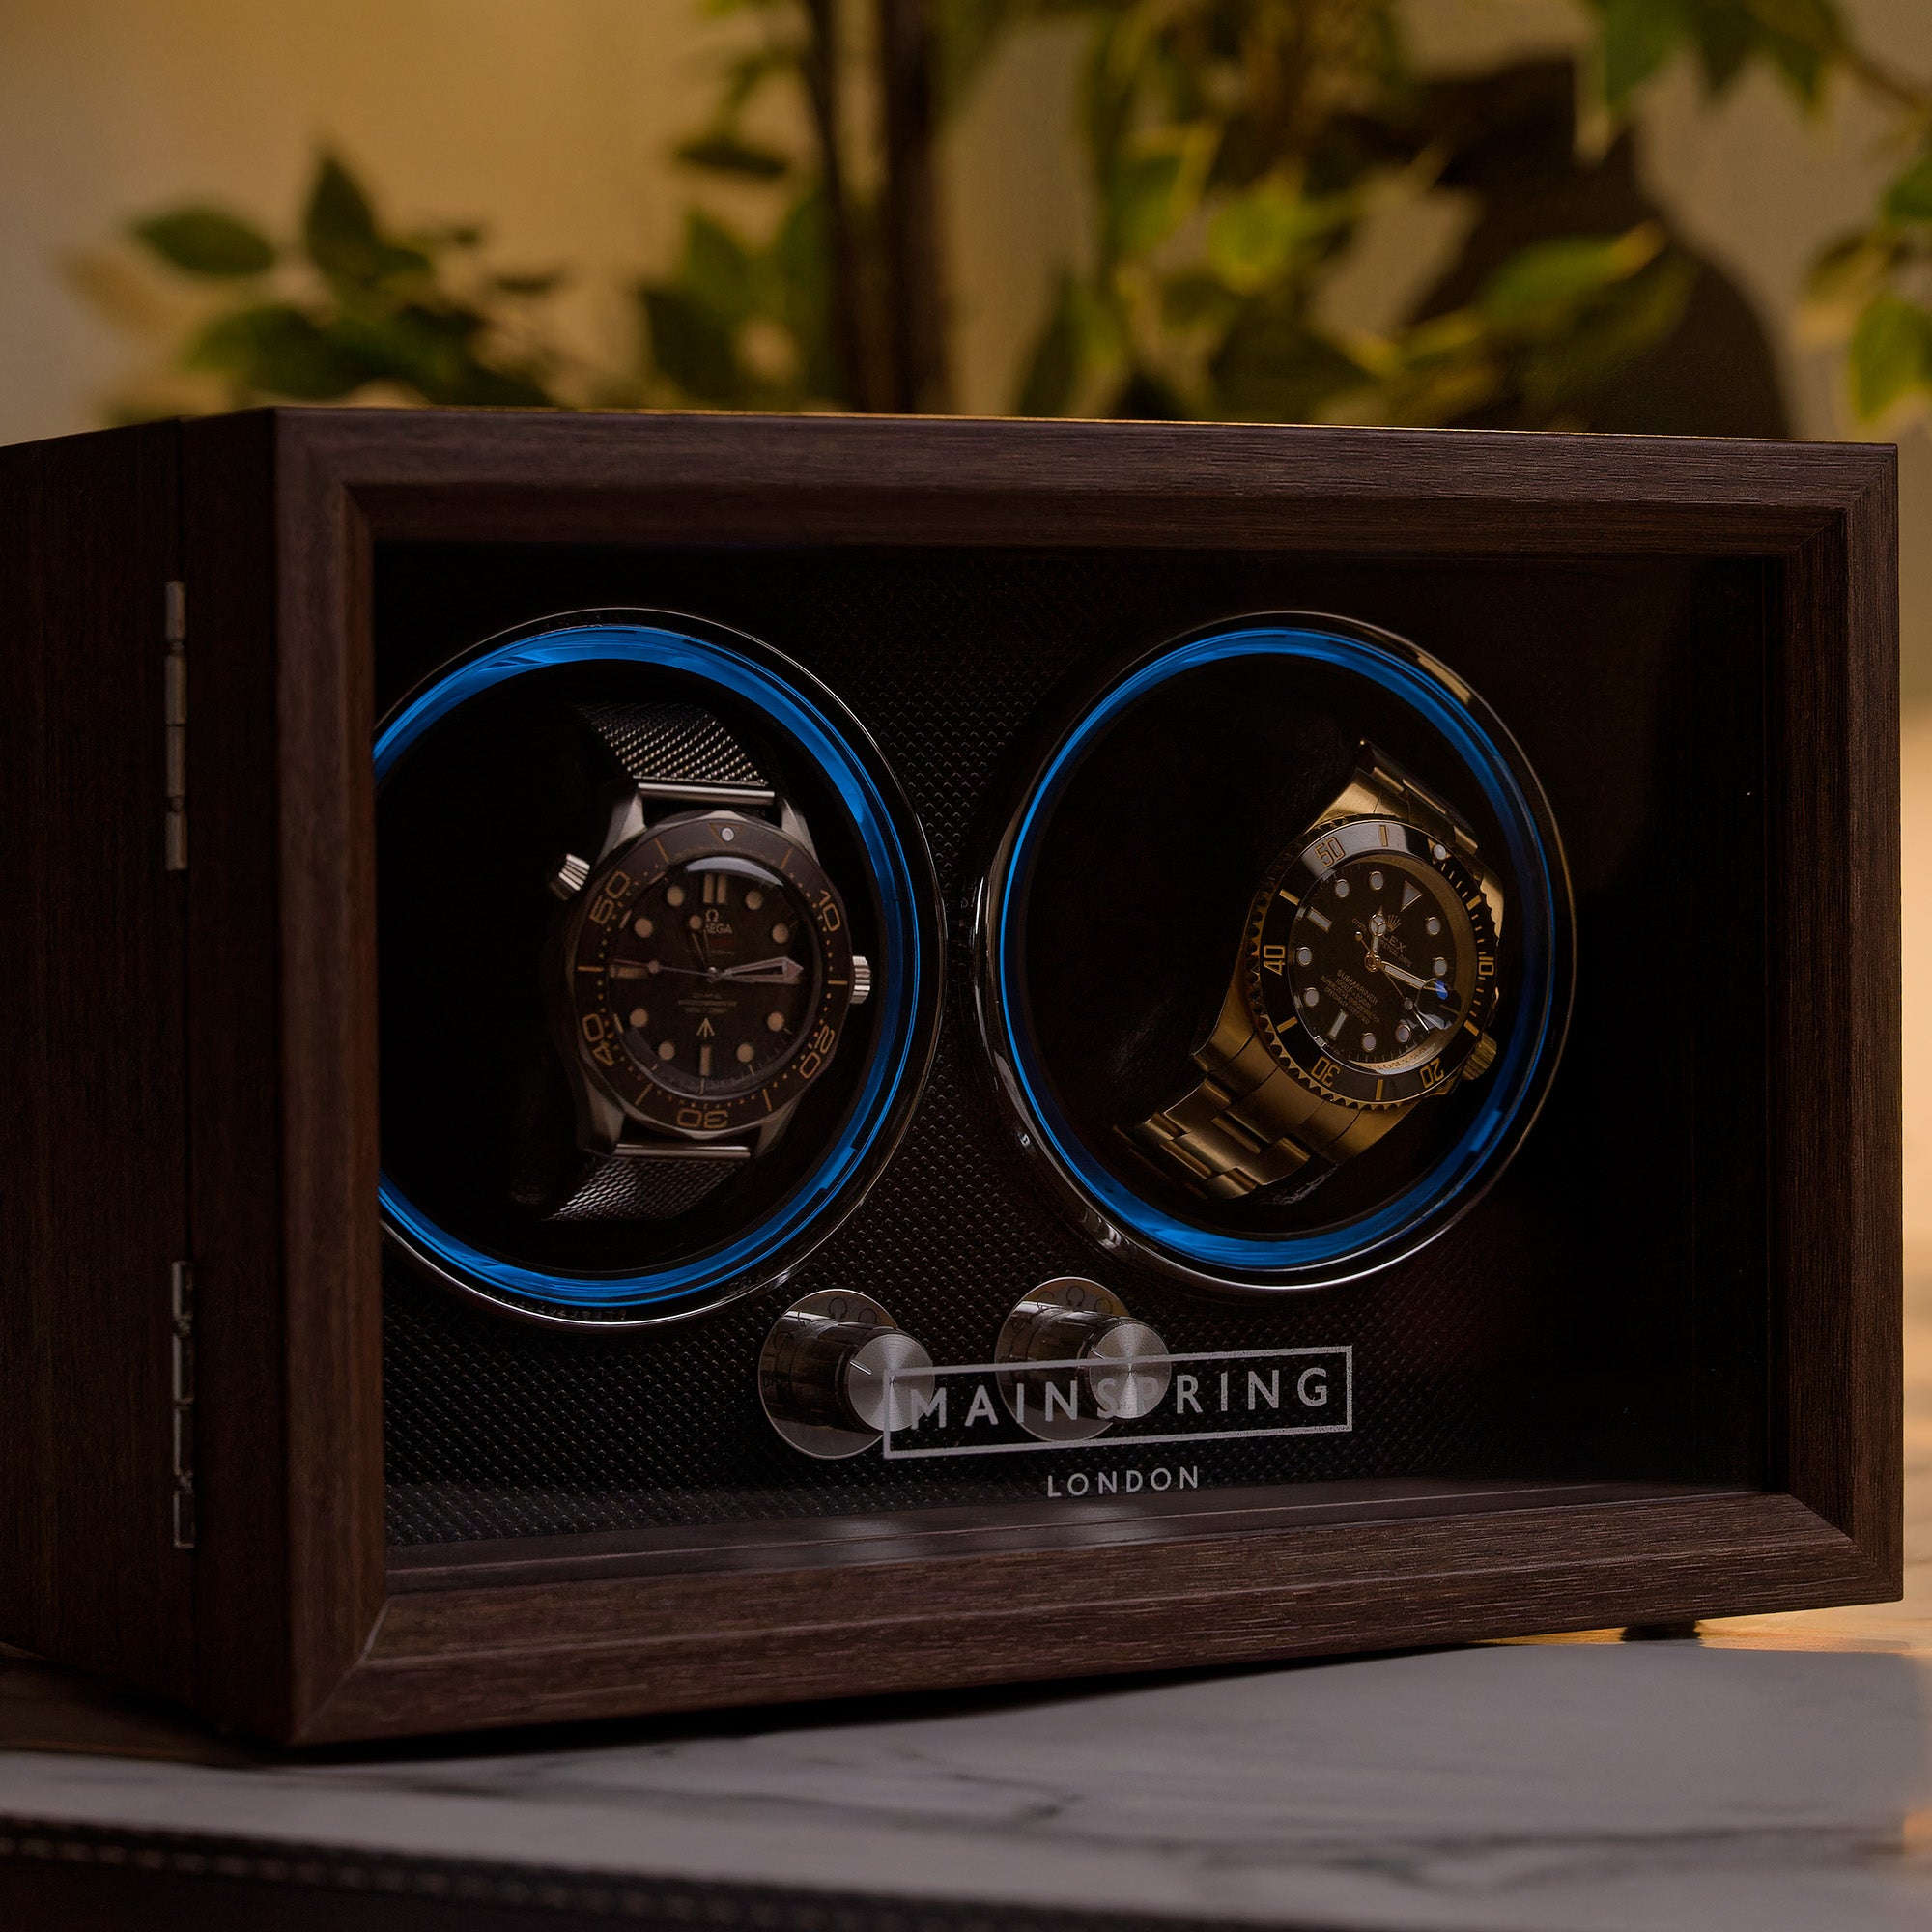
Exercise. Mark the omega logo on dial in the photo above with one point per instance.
(1371, 964)
(711, 973)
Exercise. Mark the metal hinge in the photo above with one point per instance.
(174, 720)
(182, 1283)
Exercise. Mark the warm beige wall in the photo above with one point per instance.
(552, 117)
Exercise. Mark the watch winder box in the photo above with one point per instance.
(668, 1060)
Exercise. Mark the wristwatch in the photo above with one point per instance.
(1366, 984)
(701, 971)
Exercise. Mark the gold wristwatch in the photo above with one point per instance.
(1366, 984)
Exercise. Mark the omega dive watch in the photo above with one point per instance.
(1366, 984)
(702, 970)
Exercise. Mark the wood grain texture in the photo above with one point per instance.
(493, 475)
(456, 1658)
(1835, 1050)
(285, 1059)
(324, 725)
(93, 1129)
(243, 1618)
(292, 1636)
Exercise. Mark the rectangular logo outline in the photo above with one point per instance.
(1346, 1349)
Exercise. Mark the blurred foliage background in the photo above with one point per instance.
(1234, 152)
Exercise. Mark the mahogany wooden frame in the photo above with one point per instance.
(284, 1620)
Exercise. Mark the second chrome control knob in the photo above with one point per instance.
(1073, 1362)
(837, 1370)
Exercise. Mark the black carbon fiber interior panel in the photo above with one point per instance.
(1563, 1329)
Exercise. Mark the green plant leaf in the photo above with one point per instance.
(1852, 269)
(1273, 367)
(1153, 187)
(1726, 36)
(1540, 281)
(339, 228)
(1255, 239)
(207, 241)
(1195, 299)
(691, 344)
(1891, 353)
(1909, 198)
(1053, 369)
(276, 349)
(1625, 321)
(717, 268)
(1639, 37)
(726, 154)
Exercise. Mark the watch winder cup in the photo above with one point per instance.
(1327, 811)
(659, 968)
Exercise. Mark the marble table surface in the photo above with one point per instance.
(1773, 1772)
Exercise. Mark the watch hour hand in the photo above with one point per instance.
(765, 973)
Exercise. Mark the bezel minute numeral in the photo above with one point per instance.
(1298, 939)
(809, 1042)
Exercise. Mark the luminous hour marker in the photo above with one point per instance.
(1410, 893)
(1341, 888)
(1374, 882)
(776, 1022)
(1341, 1021)
(666, 1049)
(780, 932)
(1439, 967)
(705, 1061)
(754, 898)
(745, 1053)
(1302, 955)
(631, 969)
(1289, 896)
(1401, 1035)
(639, 1018)
(642, 927)
(716, 889)
(1368, 1042)
(1432, 926)
(1309, 998)
(673, 895)
(1318, 919)
(695, 921)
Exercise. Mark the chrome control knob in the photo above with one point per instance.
(835, 1370)
(1073, 1362)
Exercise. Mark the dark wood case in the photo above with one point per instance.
(189, 1215)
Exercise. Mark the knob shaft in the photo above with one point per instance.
(837, 1370)
(1106, 1366)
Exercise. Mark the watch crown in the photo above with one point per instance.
(567, 881)
(862, 979)
(1482, 1057)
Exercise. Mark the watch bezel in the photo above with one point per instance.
(640, 862)
(1308, 865)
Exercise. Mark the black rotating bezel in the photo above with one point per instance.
(1271, 915)
(594, 1026)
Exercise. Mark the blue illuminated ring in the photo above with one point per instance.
(904, 986)
(1108, 1206)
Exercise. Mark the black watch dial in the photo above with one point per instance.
(1371, 962)
(710, 973)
